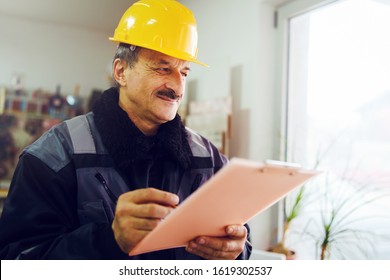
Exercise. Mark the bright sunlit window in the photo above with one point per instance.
(338, 118)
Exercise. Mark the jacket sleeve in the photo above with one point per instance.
(40, 220)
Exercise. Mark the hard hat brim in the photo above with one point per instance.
(194, 60)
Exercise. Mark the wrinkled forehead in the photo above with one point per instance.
(157, 58)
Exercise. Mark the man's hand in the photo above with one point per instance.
(220, 248)
(138, 212)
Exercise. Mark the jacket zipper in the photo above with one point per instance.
(106, 188)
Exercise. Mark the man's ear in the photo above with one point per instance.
(119, 67)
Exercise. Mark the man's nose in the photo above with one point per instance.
(176, 82)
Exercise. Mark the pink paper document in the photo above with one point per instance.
(239, 191)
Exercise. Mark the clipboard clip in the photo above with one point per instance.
(283, 164)
(293, 167)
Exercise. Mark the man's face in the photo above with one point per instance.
(153, 88)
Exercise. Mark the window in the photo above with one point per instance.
(336, 115)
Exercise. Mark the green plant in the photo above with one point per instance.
(293, 205)
(338, 226)
(290, 214)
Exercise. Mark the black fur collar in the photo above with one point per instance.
(125, 142)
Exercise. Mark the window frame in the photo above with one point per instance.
(283, 16)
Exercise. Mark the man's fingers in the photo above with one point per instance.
(138, 212)
(151, 211)
(215, 248)
(146, 211)
(236, 231)
(152, 195)
(228, 247)
(146, 203)
(217, 244)
(145, 224)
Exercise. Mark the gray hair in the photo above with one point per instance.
(128, 53)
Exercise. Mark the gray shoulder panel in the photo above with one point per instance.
(53, 147)
(99, 146)
(197, 144)
(80, 135)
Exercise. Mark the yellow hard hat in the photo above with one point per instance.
(165, 26)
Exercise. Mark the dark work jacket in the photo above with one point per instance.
(61, 201)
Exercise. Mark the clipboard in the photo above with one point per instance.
(239, 191)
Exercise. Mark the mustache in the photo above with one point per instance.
(170, 93)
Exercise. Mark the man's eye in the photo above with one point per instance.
(166, 70)
(184, 74)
